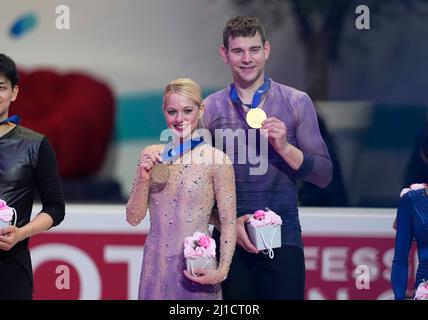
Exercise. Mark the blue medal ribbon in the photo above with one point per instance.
(257, 98)
(171, 153)
(14, 119)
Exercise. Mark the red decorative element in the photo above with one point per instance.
(74, 111)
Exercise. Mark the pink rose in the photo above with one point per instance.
(264, 218)
(204, 242)
(199, 245)
(6, 213)
(259, 215)
(3, 205)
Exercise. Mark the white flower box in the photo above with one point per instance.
(205, 263)
(4, 224)
(265, 237)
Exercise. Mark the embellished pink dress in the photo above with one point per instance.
(177, 210)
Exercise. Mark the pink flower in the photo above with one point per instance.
(276, 219)
(199, 245)
(3, 205)
(204, 241)
(189, 251)
(6, 213)
(422, 291)
(259, 215)
(414, 186)
(268, 218)
(199, 251)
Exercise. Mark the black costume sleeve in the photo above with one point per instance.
(48, 183)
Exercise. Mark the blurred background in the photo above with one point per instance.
(95, 88)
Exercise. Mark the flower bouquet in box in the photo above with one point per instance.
(413, 186)
(199, 251)
(264, 230)
(6, 214)
(422, 291)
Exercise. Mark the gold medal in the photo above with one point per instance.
(160, 173)
(255, 117)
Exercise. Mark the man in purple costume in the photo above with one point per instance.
(295, 149)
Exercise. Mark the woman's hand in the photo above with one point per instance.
(204, 276)
(147, 162)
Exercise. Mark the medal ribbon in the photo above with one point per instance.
(257, 98)
(14, 119)
(171, 153)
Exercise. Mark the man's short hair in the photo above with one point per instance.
(243, 26)
(8, 69)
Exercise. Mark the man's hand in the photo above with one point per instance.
(276, 132)
(9, 236)
(242, 236)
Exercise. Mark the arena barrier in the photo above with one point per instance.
(95, 254)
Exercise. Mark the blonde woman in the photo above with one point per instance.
(182, 203)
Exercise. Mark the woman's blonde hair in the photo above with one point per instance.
(185, 87)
